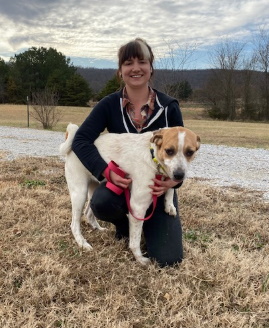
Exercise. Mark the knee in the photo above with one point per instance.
(166, 257)
(104, 203)
(164, 261)
(100, 201)
(99, 198)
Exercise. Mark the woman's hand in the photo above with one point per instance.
(162, 186)
(119, 181)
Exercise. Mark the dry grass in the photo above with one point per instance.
(241, 134)
(252, 135)
(16, 115)
(47, 281)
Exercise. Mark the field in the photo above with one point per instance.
(213, 132)
(47, 281)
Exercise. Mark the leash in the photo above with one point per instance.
(159, 166)
(112, 166)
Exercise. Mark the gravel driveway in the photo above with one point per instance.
(221, 165)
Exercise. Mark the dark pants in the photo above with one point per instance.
(162, 232)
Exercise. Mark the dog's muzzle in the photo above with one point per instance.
(178, 175)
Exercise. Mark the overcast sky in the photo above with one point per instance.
(91, 31)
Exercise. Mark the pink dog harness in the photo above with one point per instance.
(112, 166)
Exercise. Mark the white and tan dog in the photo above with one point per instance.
(173, 149)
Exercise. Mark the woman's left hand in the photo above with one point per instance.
(162, 186)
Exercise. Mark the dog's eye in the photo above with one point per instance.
(170, 151)
(189, 153)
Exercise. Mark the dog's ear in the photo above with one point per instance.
(157, 138)
(198, 142)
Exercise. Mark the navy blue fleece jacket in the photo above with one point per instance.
(109, 114)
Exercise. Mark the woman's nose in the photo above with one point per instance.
(136, 66)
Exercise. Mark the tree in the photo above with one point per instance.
(173, 63)
(44, 104)
(249, 93)
(13, 93)
(181, 90)
(77, 92)
(262, 52)
(4, 70)
(40, 68)
(112, 85)
(226, 60)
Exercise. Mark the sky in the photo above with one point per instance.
(89, 32)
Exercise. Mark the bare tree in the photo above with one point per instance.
(226, 60)
(44, 104)
(175, 60)
(249, 94)
(261, 44)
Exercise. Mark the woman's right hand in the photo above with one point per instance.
(119, 181)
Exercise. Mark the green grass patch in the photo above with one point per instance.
(33, 183)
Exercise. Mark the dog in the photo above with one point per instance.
(168, 151)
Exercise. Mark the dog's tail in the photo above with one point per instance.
(66, 146)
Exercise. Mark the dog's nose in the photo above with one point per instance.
(179, 175)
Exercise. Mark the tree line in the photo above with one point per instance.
(38, 70)
(236, 87)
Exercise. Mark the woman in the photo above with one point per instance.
(137, 108)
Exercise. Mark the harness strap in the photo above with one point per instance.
(112, 166)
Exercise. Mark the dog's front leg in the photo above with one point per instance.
(169, 203)
(135, 227)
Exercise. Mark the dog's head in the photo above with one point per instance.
(175, 148)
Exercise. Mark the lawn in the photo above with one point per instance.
(47, 281)
(253, 135)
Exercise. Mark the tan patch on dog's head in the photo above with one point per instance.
(168, 143)
(192, 143)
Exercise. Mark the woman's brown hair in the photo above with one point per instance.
(137, 48)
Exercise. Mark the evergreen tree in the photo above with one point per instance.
(181, 90)
(112, 85)
(3, 79)
(185, 90)
(38, 68)
(77, 92)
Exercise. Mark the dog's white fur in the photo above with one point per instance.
(174, 148)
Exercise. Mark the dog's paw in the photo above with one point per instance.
(101, 228)
(170, 209)
(96, 226)
(85, 245)
(93, 222)
(143, 260)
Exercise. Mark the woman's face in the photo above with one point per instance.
(136, 72)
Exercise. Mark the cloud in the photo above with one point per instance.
(96, 29)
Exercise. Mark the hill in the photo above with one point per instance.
(97, 78)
